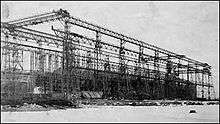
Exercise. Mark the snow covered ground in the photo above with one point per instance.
(205, 113)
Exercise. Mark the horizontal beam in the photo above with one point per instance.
(32, 34)
(151, 71)
(52, 39)
(150, 57)
(61, 14)
(41, 18)
(93, 27)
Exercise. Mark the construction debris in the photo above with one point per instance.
(192, 111)
(63, 104)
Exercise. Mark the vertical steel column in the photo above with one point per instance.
(187, 73)
(50, 72)
(187, 94)
(6, 56)
(140, 62)
(89, 74)
(106, 69)
(22, 60)
(41, 58)
(196, 82)
(32, 61)
(140, 58)
(178, 81)
(148, 76)
(209, 87)
(66, 65)
(13, 69)
(49, 62)
(168, 77)
(69, 65)
(157, 76)
(6, 53)
(97, 52)
(122, 66)
(202, 84)
(36, 60)
(56, 61)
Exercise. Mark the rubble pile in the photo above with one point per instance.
(40, 106)
(64, 104)
(24, 107)
(105, 102)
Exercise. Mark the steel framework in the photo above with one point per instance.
(69, 62)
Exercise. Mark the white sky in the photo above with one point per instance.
(189, 28)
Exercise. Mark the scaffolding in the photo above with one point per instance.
(82, 63)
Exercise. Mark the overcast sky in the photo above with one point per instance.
(189, 28)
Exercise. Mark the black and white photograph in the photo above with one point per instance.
(110, 61)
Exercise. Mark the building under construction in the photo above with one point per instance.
(68, 61)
